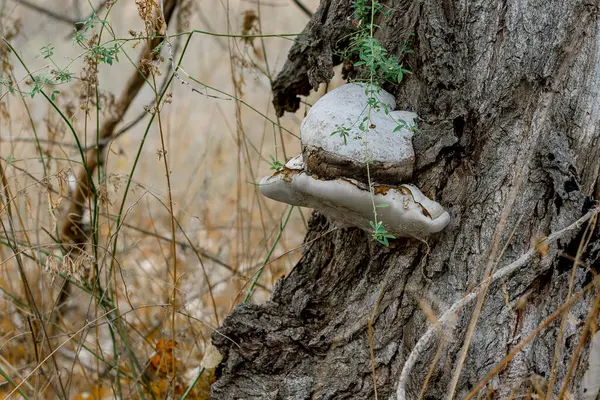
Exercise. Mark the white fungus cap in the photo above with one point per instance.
(408, 213)
(388, 151)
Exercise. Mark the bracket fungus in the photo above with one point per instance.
(330, 174)
(386, 144)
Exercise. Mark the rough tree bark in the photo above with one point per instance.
(509, 96)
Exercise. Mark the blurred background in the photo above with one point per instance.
(115, 331)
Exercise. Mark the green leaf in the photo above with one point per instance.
(399, 127)
(276, 165)
(400, 76)
(47, 51)
(158, 48)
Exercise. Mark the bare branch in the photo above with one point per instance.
(176, 69)
(79, 24)
(303, 8)
(77, 9)
(76, 22)
(52, 14)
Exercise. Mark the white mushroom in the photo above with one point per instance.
(386, 145)
(330, 174)
(348, 202)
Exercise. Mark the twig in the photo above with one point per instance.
(445, 322)
(491, 267)
(303, 8)
(203, 252)
(49, 13)
(585, 240)
(582, 340)
(34, 140)
(58, 16)
(176, 69)
(79, 25)
(14, 246)
(268, 257)
(267, 4)
(77, 9)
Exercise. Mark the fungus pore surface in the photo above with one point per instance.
(407, 211)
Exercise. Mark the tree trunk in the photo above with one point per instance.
(508, 93)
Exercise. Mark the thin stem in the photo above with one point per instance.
(193, 385)
(170, 198)
(269, 254)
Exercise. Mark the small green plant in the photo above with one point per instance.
(276, 165)
(106, 54)
(47, 51)
(372, 56)
(83, 27)
(10, 159)
(376, 67)
(380, 233)
(342, 131)
(55, 76)
(102, 53)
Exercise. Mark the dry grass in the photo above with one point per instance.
(114, 335)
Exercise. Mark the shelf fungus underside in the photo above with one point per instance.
(408, 212)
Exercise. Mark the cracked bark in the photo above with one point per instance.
(509, 96)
